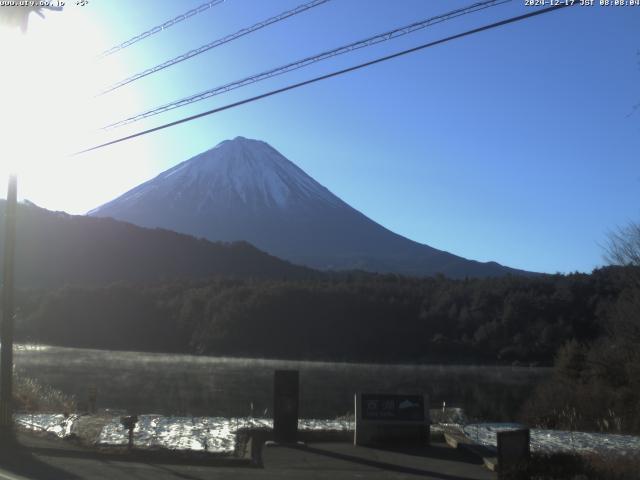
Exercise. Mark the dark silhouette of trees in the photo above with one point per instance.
(352, 316)
(596, 383)
(55, 249)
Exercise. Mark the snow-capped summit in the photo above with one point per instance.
(240, 171)
(244, 189)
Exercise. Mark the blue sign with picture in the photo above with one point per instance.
(393, 407)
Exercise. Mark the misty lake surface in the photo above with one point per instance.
(171, 384)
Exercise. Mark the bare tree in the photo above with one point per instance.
(623, 246)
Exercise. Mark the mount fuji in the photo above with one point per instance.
(244, 189)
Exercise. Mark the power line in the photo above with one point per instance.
(159, 28)
(382, 37)
(215, 43)
(330, 75)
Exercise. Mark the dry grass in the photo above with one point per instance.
(31, 396)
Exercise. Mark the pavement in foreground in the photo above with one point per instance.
(50, 459)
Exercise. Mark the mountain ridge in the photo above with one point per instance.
(56, 248)
(245, 189)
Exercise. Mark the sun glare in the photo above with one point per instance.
(39, 104)
(50, 78)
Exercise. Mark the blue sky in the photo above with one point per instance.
(514, 145)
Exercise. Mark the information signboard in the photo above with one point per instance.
(385, 418)
(402, 408)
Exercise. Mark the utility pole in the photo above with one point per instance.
(12, 16)
(6, 328)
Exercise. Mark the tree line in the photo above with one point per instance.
(347, 317)
(596, 382)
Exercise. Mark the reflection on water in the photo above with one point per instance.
(211, 434)
(226, 387)
(551, 441)
(218, 434)
(55, 423)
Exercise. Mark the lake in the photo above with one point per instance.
(231, 387)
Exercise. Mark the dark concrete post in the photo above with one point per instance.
(513, 454)
(285, 406)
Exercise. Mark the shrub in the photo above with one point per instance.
(31, 396)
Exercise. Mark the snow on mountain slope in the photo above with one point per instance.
(251, 172)
(246, 190)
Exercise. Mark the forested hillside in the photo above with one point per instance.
(54, 249)
(355, 317)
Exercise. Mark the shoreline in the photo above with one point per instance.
(41, 347)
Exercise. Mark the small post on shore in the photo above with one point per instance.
(92, 398)
(129, 424)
